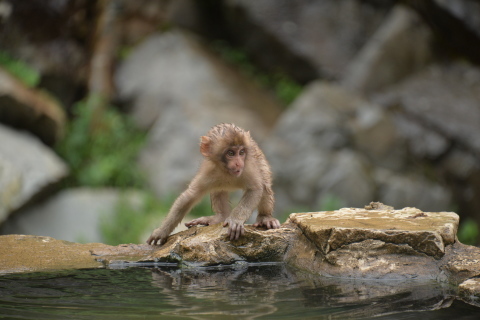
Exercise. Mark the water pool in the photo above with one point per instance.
(253, 292)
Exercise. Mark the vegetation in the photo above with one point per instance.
(284, 88)
(102, 154)
(19, 69)
(101, 149)
(469, 232)
(131, 221)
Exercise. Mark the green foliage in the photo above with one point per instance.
(20, 70)
(285, 88)
(101, 148)
(130, 222)
(469, 232)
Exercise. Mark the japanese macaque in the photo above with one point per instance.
(232, 160)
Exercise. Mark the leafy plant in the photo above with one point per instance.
(21, 70)
(469, 232)
(101, 148)
(130, 220)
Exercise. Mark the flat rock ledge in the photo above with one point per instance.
(374, 243)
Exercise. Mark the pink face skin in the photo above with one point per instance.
(235, 160)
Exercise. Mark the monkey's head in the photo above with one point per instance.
(228, 146)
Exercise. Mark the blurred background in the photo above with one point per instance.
(102, 104)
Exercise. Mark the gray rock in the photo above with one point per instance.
(348, 178)
(334, 143)
(311, 149)
(467, 11)
(71, 215)
(400, 190)
(26, 168)
(437, 112)
(441, 102)
(329, 33)
(181, 90)
(400, 47)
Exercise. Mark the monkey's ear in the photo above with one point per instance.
(205, 146)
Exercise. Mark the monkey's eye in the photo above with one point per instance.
(230, 153)
(242, 152)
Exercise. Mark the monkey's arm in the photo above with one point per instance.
(242, 212)
(178, 211)
(265, 211)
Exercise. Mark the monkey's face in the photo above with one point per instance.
(234, 159)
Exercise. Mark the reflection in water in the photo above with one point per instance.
(253, 292)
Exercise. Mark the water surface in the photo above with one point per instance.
(254, 292)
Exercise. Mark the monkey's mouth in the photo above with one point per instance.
(236, 172)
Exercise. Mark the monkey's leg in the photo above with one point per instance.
(242, 212)
(265, 211)
(221, 207)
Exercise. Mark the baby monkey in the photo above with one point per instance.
(232, 160)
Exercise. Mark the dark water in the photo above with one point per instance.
(256, 292)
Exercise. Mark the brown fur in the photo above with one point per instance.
(215, 177)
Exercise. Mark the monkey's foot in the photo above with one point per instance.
(268, 222)
(204, 221)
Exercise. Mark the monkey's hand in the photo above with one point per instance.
(158, 236)
(235, 228)
(267, 221)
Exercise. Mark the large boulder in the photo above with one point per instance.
(402, 45)
(334, 143)
(79, 214)
(72, 214)
(180, 89)
(327, 34)
(27, 167)
(376, 243)
(437, 114)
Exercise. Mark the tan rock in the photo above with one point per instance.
(33, 253)
(469, 291)
(347, 243)
(207, 246)
(426, 233)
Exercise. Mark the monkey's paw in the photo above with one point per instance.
(267, 222)
(157, 237)
(235, 228)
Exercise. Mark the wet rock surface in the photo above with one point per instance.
(207, 246)
(21, 253)
(378, 243)
(469, 291)
(422, 232)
